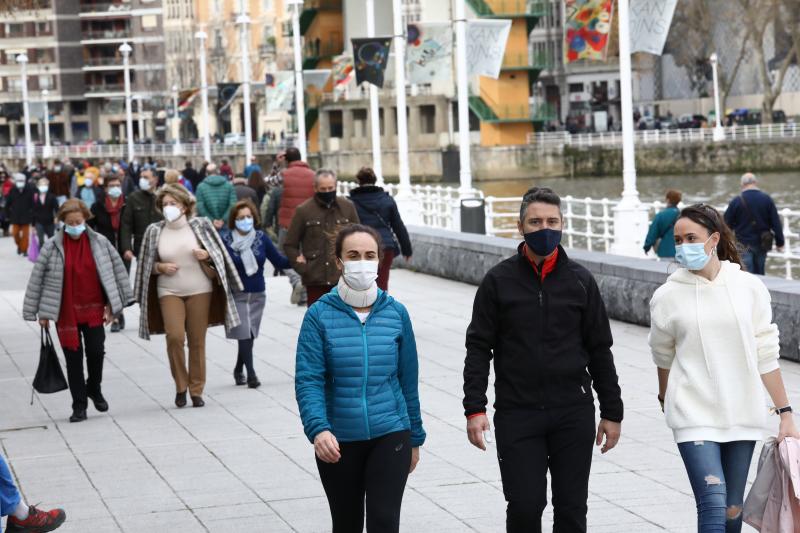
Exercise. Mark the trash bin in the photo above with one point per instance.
(473, 216)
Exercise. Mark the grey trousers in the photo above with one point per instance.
(294, 277)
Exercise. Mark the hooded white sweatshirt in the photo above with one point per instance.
(716, 338)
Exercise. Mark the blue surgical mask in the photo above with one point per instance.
(245, 225)
(115, 192)
(692, 256)
(75, 231)
(43, 189)
(543, 242)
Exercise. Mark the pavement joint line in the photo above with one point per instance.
(443, 508)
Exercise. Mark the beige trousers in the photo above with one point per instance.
(187, 317)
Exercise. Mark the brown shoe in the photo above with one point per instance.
(180, 399)
(197, 401)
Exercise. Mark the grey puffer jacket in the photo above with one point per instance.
(43, 295)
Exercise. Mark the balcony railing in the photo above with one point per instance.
(105, 88)
(103, 62)
(322, 4)
(521, 61)
(106, 34)
(106, 8)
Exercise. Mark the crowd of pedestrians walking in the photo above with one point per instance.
(200, 241)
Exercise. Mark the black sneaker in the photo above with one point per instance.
(253, 382)
(115, 327)
(78, 415)
(238, 377)
(99, 402)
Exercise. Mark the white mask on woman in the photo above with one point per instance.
(172, 213)
(360, 275)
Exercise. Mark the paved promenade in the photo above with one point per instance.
(242, 462)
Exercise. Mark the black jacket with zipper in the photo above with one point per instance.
(550, 340)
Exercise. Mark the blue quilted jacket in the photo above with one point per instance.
(358, 381)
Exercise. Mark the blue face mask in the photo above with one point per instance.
(75, 231)
(543, 242)
(245, 225)
(115, 192)
(692, 256)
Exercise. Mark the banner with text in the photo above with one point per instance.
(429, 52)
(280, 91)
(587, 25)
(486, 46)
(650, 22)
(371, 55)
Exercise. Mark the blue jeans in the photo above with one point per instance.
(718, 474)
(9, 495)
(755, 261)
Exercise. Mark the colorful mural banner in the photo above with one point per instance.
(280, 91)
(650, 22)
(343, 72)
(486, 46)
(315, 80)
(370, 56)
(587, 26)
(429, 52)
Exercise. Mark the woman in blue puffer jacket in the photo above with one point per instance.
(356, 381)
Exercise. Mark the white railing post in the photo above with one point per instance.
(570, 215)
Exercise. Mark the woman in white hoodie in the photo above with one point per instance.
(714, 343)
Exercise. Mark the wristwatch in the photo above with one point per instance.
(781, 410)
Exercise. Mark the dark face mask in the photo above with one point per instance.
(543, 242)
(327, 198)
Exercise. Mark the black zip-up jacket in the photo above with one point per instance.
(550, 340)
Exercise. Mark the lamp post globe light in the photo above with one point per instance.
(22, 59)
(47, 150)
(719, 131)
(125, 49)
(201, 37)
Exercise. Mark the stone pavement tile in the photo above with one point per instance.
(138, 503)
(161, 522)
(305, 515)
(272, 524)
(95, 525)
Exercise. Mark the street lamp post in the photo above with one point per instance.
(22, 59)
(374, 108)
(125, 49)
(201, 37)
(299, 91)
(719, 131)
(140, 117)
(176, 122)
(46, 151)
(630, 216)
(244, 21)
(462, 82)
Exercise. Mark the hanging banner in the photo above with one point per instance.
(370, 58)
(280, 91)
(226, 94)
(315, 80)
(486, 46)
(429, 52)
(186, 97)
(650, 22)
(587, 25)
(343, 72)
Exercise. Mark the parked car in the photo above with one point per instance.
(686, 121)
(234, 138)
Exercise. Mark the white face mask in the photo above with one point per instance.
(88, 182)
(172, 213)
(360, 275)
(144, 184)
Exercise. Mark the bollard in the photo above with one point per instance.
(473, 216)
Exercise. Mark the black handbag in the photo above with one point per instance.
(49, 376)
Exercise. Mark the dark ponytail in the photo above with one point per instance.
(708, 217)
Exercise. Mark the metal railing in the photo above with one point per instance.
(106, 7)
(589, 225)
(105, 34)
(120, 151)
(757, 132)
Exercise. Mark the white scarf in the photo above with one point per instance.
(244, 245)
(356, 298)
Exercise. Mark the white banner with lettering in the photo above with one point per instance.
(650, 22)
(486, 46)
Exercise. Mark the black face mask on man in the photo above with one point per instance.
(543, 242)
(327, 198)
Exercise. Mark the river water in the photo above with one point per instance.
(716, 189)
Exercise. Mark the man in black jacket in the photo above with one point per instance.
(19, 209)
(540, 316)
(45, 210)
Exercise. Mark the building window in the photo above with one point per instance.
(427, 119)
(336, 121)
(576, 87)
(43, 28)
(359, 123)
(46, 82)
(149, 22)
(15, 29)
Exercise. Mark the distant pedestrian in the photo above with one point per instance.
(80, 283)
(297, 187)
(660, 235)
(308, 242)
(377, 209)
(226, 169)
(215, 197)
(252, 166)
(754, 218)
(192, 175)
(716, 347)
(21, 517)
(184, 283)
(173, 176)
(140, 211)
(249, 248)
(244, 191)
(356, 384)
(540, 317)
(45, 211)
(257, 183)
(87, 192)
(19, 210)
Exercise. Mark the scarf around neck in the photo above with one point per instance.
(356, 298)
(243, 244)
(114, 212)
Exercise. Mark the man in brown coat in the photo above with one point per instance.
(309, 243)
